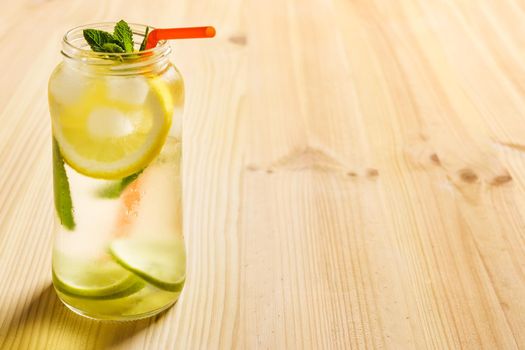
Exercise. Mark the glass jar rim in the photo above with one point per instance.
(75, 48)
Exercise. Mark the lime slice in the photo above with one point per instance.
(159, 262)
(141, 304)
(114, 129)
(91, 279)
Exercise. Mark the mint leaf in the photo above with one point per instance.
(124, 35)
(145, 41)
(63, 202)
(97, 38)
(112, 48)
(114, 189)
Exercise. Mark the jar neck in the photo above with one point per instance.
(76, 52)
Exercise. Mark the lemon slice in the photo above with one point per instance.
(90, 279)
(161, 262)
(113, 131)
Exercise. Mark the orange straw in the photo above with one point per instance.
(178, 33)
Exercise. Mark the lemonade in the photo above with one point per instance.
(116, 119)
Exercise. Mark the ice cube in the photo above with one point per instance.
(67, 85)
(160, 210)
(131, 90)
(108, 122)
(95, 220)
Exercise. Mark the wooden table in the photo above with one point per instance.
(354, 176)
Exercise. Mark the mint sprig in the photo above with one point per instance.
(120, 41)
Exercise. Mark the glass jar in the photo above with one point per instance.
(118, 248)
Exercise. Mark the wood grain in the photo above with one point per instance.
(354, 176)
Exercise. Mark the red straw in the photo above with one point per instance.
(178, 33)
